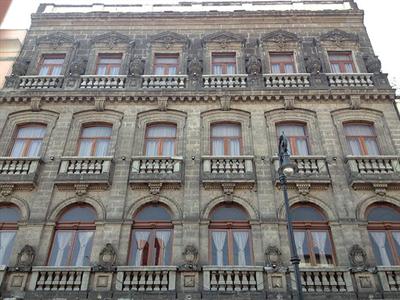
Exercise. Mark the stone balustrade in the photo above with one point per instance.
(40, 82)
(228, 169)
(59, 279)
(156, 169)
(296, 80)
(21, 170)
(350, 80)
(102, 82)
(233, 278)
(325, 280)
(148, 278)
(164, 81)
(389, 278)
(225, 81)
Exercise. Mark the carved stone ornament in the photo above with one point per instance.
(20, 68)
(107, 257)
(6, 189)
(273, 256)
(111, 39)
(25, 258)
(228, 189)
(191, 258)
(357, 257)
(136, 66)
(313, 64)
(339, 37)
(169, 38)
(195, 67)
(55, 39)
(373, 64)
(280, 37)
(78, 67)
(253, 65)
(223, 38)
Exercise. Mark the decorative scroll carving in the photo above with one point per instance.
(273, 256)
(78, 67)
(313, 64)
(111, 39)
(6, 189)
(155, 188)
(55, 39)
(338, 37)
(253, 65)
(358, 257)
(136, 66)
(100, 104)
(223, 38)
(81, 189)
(25, 258)
(303, 188)
(168, 38)
(191, 258)
(107, 258)
(373, 64)
(35, 104)
(280, 37)
(228, 189)
(380, 188)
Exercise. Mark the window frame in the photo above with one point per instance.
(27, 144)
(282, 63)
(342, 63)
(224, 65)
(160, 139)
(93, 147)
(308, 227)
(73, 227)
(166, 66)
(293, 139)
(225, 138)
(108, 65)
(51, 66)
(361, 139)
(388, 228)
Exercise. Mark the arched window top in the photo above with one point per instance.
(79, 213)
(229, 212)
(9, 214)
(303, 213)
(93, 130)
(359, 128)
(153, 213)
(383, 213)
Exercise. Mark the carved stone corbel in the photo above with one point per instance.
(162, 103)
(155, 189)
(191, 258)
(288, 102)
(355, 102)
(228, 188)
(380, 188)
(81, 189)
(100, 103)
(225, 102)
(303, 188)
(35, 104)
(6, 189)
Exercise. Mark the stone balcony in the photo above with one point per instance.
(350, 80)
(225, 81)
(40, 82)
(21, 171)
(85, 171)
(389, 278)
(296, 80)
(380, 172)
(164, 81)
(160, 170)
(236, 170)
(102, 82)
(233, 278)
(312, 171)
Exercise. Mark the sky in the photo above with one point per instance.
(381, 20)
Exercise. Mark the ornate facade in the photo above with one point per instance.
(139, 154)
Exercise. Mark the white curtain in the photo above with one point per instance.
(234, 147)
(380, 240)
(168, 148)
(160, 131)
(85, 239)
(18, 148)
(63, 238)
(101, 70)
(6, 242)
(152, 148)
(230, 69)
(335, 68)
(219, 238)
(56, 70)
(349, 68)
(163, 238)
(159, 70)
(241, 238)
(372, 147)
(44, 70)
(358, 130)
(275, 69)
(218, 147)
(102, 147)
(299, 237)
(172, 71)
(289, 68)
(85, 147)
(114, 70)
(354, 146)
(396, 237)
(141, 241)
(320, 239)
(217, 69)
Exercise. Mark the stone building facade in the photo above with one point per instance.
(139, 154)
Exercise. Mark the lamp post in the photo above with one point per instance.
(286, 168)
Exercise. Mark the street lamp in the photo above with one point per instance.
(286, 168)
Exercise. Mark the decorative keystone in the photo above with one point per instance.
(81, 189)
(228, 189)
(6, 189)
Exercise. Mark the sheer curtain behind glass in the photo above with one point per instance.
(28, 141)
(296, 136)
(219, 238)
(160, 140)
(241, 238)
(225, 139)
(94, 141)
(6, 245)
(361, 139)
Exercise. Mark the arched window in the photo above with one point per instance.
(94, 140)
(296, 134)
(361, 138)
(384, 232)
(73, 239)
(28, 140)
(226, 139)
(160, 140)
(151, 240)
(230, 236)
(9, 217)
(312, 236)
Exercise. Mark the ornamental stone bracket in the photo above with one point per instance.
(162, 103)
(155, 189)
(225, 102)
(288, 102)
(6, 189)
(228, 189)
(81, 189)
(355, 102)
(380, 188)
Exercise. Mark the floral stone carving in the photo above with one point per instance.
(107, 257)
(313, 65)
(357, 257)
(273, 256)
(25, 258)
(136, 66)
(191, 258)
(253, 65)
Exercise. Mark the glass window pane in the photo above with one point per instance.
(291, 130)
(101, 70)
(302, 148)
(7, 238)
(153, 213)
(276, 68)
(302, 249)
(381, 248)
(159, 71)
(61, 248)
(322, 247)
(396, 238)
(53, 61)
(44, 70)
(166, 60)
(219, 248)
(371, 146)
(82, 248)
(229, 212)
(230, 69)
(383, 213)
(358, 130)
(139, 248)
(109, 61)
(158, 131)
(56, 70)
(168, 148)
(335, 68)
(18, 148)
(152, 148)
(306, 213)
(281, 58)
(172, 71)
(241, 248)
(217, 70)
(217, 147)
(225, 130)
(9, 214)
(349, 68)
(162, 245)
(85, 147)
(355, 146)
(97, 131)
(224, 58)
(31, 132)
(34, 148)
(102, 147)
(234, 147)
(81, 213)
(289, 68)
(114, 70)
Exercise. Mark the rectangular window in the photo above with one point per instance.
(226, 139)
(6, 245)
(282, 63)
(381, 247)
(160, 140)
(361, 139)
(28, 141)
(94, 141)
(314, 247)
(109, 64)
(296, 136)
(223, 63)
(166, 64)
(341, 62)
(51, 64)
